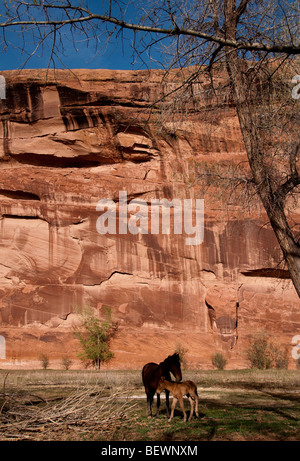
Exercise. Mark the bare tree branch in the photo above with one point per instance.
(87, 16)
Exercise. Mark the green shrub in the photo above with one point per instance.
(94, 337)
(218, 360)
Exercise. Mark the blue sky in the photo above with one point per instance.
(118, 55)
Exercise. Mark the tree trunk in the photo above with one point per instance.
(267, 191)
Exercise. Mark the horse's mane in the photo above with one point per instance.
(174, 357)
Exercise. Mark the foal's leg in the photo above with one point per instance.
(192, 403)
(173, 408)
(182, 407)
(196, 405)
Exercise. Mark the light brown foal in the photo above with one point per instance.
(179, 390)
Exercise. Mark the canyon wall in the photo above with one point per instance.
(70, 139)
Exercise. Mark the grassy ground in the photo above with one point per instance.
(111, 405)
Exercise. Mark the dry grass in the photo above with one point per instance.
(82, 414)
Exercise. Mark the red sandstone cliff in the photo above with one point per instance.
(71, 139)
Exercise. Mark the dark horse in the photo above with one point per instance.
(151, 374)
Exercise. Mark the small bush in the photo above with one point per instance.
(66, 362)
(279, 356)
(257, 353)
(218, 360)
(44, 359)
(264, 352)
(181, 351)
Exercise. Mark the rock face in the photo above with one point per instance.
(71, 139)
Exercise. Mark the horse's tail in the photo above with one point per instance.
(143, 373)
(147, 373)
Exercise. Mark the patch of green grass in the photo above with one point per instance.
(217, 421)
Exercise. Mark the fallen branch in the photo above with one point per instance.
(86, 409)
